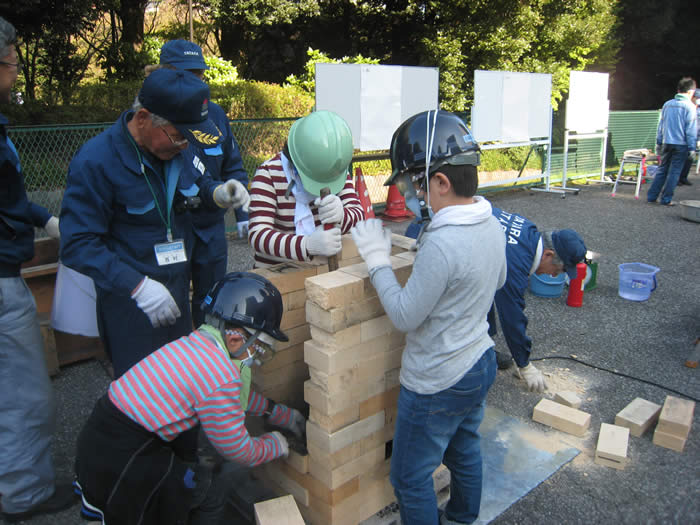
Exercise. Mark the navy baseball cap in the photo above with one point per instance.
(183, 100)
(182, 54)
(570, 248)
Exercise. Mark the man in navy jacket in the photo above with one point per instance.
(528, 251)
(119, 225)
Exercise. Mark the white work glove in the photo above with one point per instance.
(659, 149)
(156, 302)
(297, 423)
(533, 377)
(242, 228)
(284, 446)
(330, 209)
(373, 242)
(323, 242)
(51, 228)
(232, 193)
(692, 155)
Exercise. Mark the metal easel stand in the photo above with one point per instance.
(603, 178)
(548, 188)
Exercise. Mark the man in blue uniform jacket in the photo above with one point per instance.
(219, 163)
(27, 412)
(119, 224)
(528, 251)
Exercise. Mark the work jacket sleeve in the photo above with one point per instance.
(352, 209)
(40, 215)
(86, 213)
(510, 304)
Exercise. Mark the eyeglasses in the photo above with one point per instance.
(176, 143)
(18, 65)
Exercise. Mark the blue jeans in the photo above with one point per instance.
(673, 156)
(441, 428)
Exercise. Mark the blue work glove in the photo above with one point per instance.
(373, 242)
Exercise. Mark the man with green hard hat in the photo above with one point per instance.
(288, 215)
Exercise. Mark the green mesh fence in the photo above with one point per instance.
(46, 151)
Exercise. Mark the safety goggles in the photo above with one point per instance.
(261, 349)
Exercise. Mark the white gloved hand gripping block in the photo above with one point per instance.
(284, 446)
(51, 228)
(330, 209)
(533, 377)
(324, 242)
(373, 242)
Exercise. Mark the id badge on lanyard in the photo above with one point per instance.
(172, 252)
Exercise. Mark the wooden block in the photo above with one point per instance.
(294, 300)
(368, 501)
(409, 256)
(392, 378)
(638, 416)
(334, 289)
(329, 404)
(331, 423)
(360, 271)
(296, 336)
(278, 511)
(332, 360)
(671, 441)
(50, 352)
(288, 276)
(283, 358)
(336, 319)
(612, 446)
(270, 473)
(676, 416)
(566, 419)
(377, 327)
(345, 338)
(352, 451)
(334, 478)
(297, 461)
(402, 268)
(348, 249)
(293, 318)
(380, 402)
(348, 262)
(342, 438)
(296, 372)
(402, 243)
(568, 398)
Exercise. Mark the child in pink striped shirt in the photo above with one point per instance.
(129, 466)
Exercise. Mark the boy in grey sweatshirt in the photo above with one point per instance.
(448, 364)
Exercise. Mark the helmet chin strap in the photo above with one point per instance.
(249, 341)
(426, 208)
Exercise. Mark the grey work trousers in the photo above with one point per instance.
(27, 412)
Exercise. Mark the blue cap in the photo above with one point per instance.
(182, 54)
(183, 100)
(570, 248)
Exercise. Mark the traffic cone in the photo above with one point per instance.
(363, 194)
(396, 206)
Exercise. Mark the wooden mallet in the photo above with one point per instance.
(333, 259)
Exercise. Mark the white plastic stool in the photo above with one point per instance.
(632, 156)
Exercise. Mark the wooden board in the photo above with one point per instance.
(278, 511)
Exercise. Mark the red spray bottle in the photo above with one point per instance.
(575, 297)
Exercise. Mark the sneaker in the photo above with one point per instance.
(685, 183)
(670, 203)
(504, 361)
(62, 498)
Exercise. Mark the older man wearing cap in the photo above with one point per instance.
(218, 163)
(118, 222)
(528, 251)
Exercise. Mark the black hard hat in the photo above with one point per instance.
(248, 300)
(452, 143)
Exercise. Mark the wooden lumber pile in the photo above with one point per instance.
(353, 356)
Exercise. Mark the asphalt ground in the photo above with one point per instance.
(647, 341)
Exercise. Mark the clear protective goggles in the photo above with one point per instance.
(260, 350)
(410, 183)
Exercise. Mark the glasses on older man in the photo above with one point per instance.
(18, 65)
(176, 143)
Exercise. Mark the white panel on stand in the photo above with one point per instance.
(511, 106)
(587, 108)
(374, 99)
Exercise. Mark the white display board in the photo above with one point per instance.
(588, 106)
(375, 99)
(510, 106)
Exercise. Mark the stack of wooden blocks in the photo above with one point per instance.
(352, 359)
(674, 423)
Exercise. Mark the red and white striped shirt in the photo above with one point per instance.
(272, 233)
(192, 381)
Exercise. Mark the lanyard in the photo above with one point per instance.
(169, 191)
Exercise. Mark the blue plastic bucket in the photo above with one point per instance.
(637, 281)
(545, 285)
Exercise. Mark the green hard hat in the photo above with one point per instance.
(320, 145)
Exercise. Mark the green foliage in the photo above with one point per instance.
(221, 72)
(307, 80)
